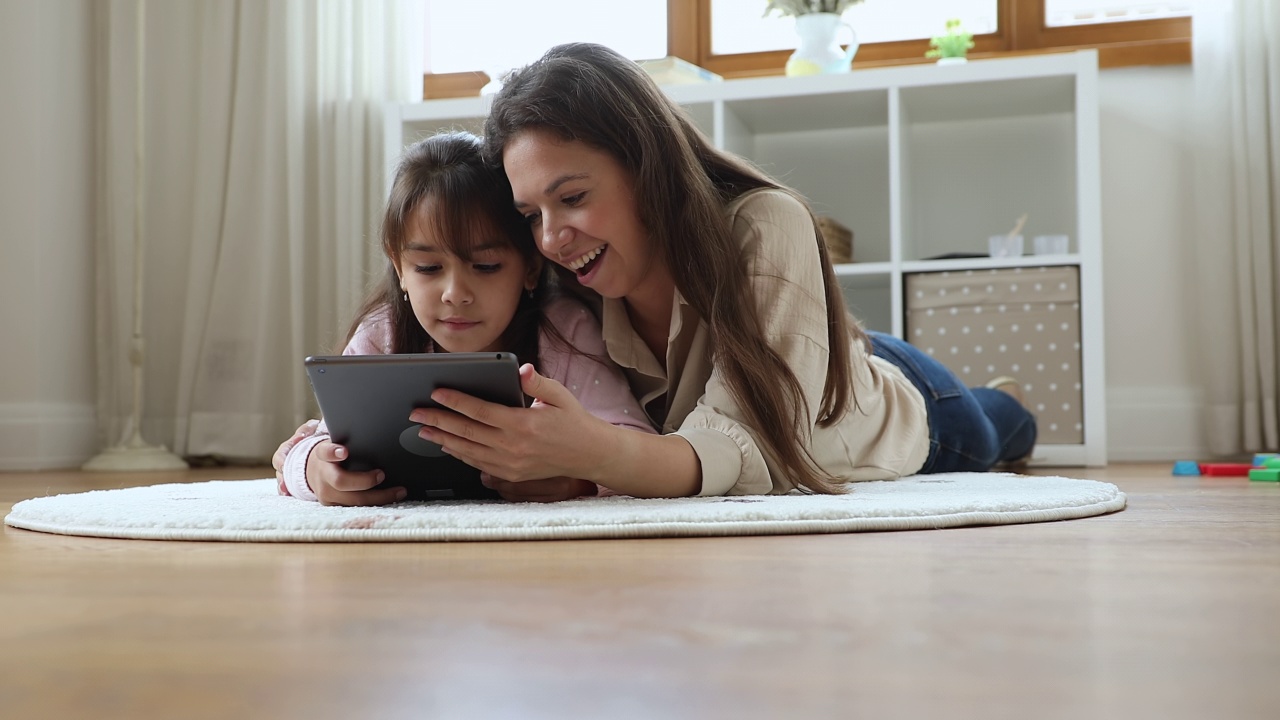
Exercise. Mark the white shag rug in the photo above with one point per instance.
(251, 511)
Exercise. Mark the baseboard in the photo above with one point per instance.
(1155, 424)
(1147, 424)
(46, 436)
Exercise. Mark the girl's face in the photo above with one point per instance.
(582, 210)
(464, 305)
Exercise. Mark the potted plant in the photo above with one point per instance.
(951, 47)
(817, 24)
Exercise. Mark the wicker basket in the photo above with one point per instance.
(839, 240)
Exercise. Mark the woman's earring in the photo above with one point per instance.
(530, 293)
(406, 297)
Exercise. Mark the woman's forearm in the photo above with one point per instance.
(644, 465)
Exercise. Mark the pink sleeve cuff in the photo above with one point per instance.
(295, 467)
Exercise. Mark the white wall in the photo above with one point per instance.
(46, 224)
(1147, 219)
(46, 257)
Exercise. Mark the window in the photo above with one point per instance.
(467, 40)
(729, 37)
(516, 32)
(737, 25)
(1063, 13)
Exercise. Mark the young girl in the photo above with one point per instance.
(720, 304)
(463, 276)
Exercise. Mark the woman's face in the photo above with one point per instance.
(464, 305)
(582, 210)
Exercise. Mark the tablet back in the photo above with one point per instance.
(366, 401)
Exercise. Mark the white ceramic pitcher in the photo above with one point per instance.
(818, 52)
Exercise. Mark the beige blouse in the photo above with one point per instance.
(887, 436)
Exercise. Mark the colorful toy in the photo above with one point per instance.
(1225, 469)
(1265, 474)
(1265, 467)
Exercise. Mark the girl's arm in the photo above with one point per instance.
(373, 337)
(308, 464)
(292, 471)
(304, 431)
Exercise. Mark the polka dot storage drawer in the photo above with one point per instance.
(1020, 322)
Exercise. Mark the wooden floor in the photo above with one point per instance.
(1169, 609)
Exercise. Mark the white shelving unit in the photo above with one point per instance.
(918, 161)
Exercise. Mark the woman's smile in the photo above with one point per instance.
(585, 267)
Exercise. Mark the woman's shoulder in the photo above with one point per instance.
(765, 203)
(775, 229)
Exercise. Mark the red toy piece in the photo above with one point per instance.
(1226, 469)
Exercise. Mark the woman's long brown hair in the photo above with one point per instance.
(589, 93)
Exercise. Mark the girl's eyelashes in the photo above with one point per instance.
(486, 268)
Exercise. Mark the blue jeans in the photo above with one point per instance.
(970, 429)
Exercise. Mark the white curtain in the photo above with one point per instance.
(263, 189)
(1237, 121)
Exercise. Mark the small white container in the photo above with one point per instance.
(999, 246)
(1051, 244)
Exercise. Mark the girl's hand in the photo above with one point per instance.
(553, 438)
(545, 491)
(306, 430)
(334, 485)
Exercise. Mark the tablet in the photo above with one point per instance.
(366, 401)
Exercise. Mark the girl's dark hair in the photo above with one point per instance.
(589, 93)
(467, 204)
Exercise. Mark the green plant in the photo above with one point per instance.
(954, 43)
(786, 8)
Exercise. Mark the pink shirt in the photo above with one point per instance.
(599, 386)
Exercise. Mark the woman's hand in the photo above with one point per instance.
(553, 438)
(546, 491)
(334, 485)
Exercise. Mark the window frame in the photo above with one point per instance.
(1165, 41)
